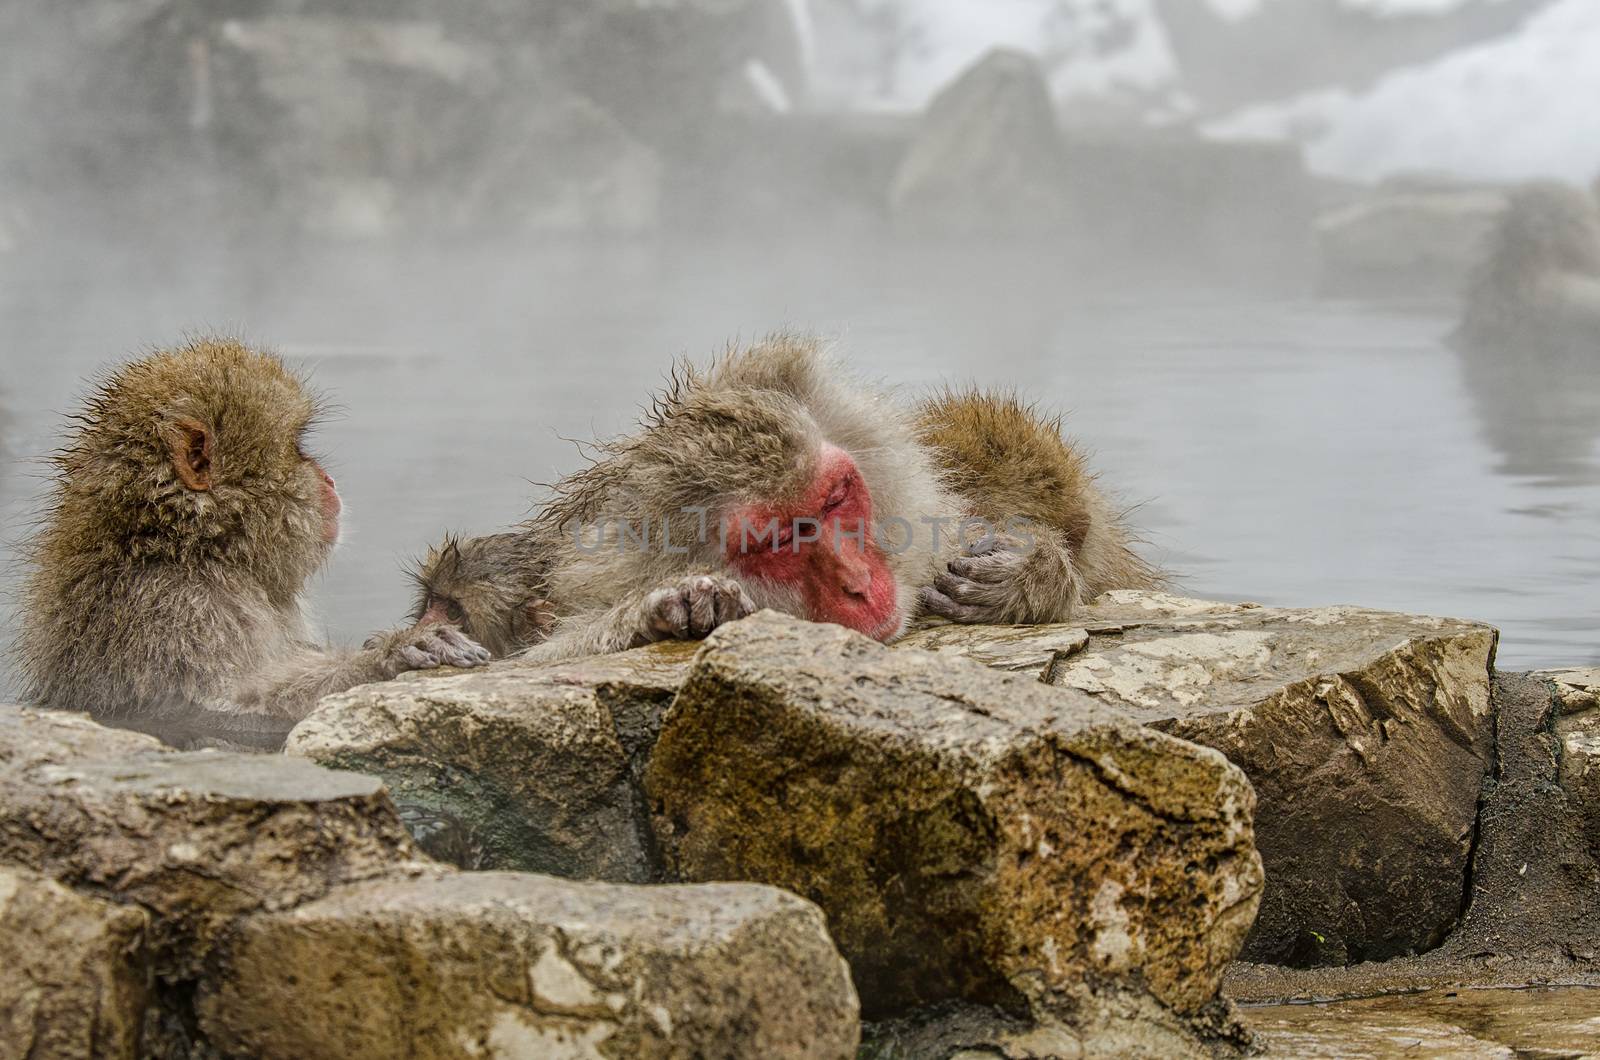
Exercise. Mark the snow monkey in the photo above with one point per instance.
(185, 520)
(492, 587)
(773, 479)
(1008, 463)
(1539, 282)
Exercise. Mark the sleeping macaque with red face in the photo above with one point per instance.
(774, 479)
(186, 519)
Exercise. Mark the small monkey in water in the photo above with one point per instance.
(186, 519)
(757, 482)
(493, 587)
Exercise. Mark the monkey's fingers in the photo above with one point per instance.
(960, 589)
(733, 603)
(936, 603)
(702, 593)
(666, 614)
(460, 646)
(989, 568)
(417, 659)
(464, 656)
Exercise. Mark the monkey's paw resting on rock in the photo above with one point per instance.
(426, 647)
(691, 608)
(1005, 580)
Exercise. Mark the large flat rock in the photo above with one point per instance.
(968, 834)
(196, 839)
(514, 965)
(1367, 736)
(75, 982)
(517, 767)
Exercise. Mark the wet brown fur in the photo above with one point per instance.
(748, 425)
(1007, 460)
(149, 598)
(492, 586)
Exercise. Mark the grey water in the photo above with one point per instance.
(1292, 452)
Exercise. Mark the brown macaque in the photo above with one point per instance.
(1056, 542)
(492, 587)
(185, 521)
(774, 479)
(1539, 282)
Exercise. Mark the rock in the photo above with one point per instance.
(1578, 748)
(1533, 891)
(969, 834)
(1577, 689)
(515, 767)
(502, 964)
(1535, 886)
(1576, 732)
(665, 68)
(988, 158)
(1123, 1026)
(1366, 735)
(1400, 243)
(75, 983)
(1466, 1024)
(560, 164)
(361, 112)
(195, 838)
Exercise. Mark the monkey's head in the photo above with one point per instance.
(491, 587)
(1547, 226)
(197, 456)
(778, 467)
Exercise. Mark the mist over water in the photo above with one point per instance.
(1280, 445)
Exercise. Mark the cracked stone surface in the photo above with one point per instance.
(194, 838)
(1367, 736)
(509, 964)
(528, 767)
(275, 908)
(969, 834)
(75, 980)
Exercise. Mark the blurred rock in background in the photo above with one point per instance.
(1161, 139)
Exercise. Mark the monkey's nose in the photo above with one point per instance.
(855, 578)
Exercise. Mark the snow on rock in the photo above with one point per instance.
(1509, 109)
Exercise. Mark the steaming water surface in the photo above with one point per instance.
(1293, 453)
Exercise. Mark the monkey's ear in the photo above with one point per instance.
(190, 444)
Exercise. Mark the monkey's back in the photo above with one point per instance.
(1008, 460)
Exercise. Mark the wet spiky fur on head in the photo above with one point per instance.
(747, 427)
(150, 595)
(493, 587)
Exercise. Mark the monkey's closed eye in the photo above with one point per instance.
(837, 497)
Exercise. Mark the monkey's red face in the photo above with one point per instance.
(331, 506)
(823, 547)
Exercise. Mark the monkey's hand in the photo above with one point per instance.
(999, 580)
(426, 646)
(691, 608)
